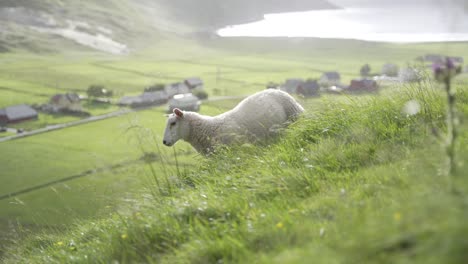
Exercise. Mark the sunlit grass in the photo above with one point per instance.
(355, 180)
(358, 181)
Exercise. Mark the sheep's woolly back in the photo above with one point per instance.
(251, 120)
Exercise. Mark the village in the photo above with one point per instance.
(189, 93)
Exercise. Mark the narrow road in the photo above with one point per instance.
(65, 125)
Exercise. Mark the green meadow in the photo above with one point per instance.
(354, 180)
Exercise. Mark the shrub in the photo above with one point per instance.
(365, 70)
(217, 91)
(202, 95)
(97, 90)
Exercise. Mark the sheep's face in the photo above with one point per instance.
(176, 128)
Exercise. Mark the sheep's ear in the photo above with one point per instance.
(178, 112)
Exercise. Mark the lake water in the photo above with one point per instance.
(389, 24)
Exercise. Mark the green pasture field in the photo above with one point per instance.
(113, 145)
(355, 180)
(69, 151)
(248, 68)
(119, 149)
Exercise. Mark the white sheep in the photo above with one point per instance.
(254, 119)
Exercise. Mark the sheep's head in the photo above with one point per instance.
(176, 128)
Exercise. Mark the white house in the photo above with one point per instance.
(186, 102)
(390, 69)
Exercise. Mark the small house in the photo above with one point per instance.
(434, 58)
(186, 102)
(154, 98)
(409, 75)
(176, 88)
(17, 114)
(329, 79)
(145, 99)
(363, 85)
(390, 69)
(309, 88)
(291, 85)
(194, 83)
(66, 102)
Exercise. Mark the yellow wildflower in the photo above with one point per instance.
(397, 216)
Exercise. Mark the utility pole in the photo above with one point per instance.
(218, 79)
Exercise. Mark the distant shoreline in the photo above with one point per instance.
(427, 24)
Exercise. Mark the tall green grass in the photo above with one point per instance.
(359, 181)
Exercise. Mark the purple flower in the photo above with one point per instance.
(440, 71)
(449, 63)
(437, 68)
(445, 71)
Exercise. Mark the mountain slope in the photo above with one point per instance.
(118, 26)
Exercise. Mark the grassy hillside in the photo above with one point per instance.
(357, 181)
(109, 191)
(118, 26)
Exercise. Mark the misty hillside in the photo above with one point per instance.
(213, 14)
(119, 26)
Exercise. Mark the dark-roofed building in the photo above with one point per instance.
(440, 59)
(434, 58)
(363, 85)
(153, 98)
(68, 102)
(176, 88)
(145, 99)
(194, 83)
(16, 114)
(291, 85)
(309, 88)
(329, 79)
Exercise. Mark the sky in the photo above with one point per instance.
(389, 21)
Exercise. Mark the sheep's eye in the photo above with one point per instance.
(173, 123)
